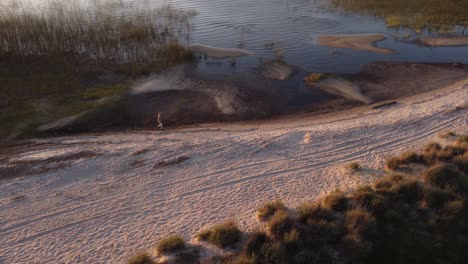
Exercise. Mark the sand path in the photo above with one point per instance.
(103, 209)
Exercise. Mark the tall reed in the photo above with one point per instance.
(99, 30)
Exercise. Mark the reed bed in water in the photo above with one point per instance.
(102, 31)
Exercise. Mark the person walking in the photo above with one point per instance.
(160, 124)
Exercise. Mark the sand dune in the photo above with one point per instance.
(362, 42)
(452, 41)
(113, 202)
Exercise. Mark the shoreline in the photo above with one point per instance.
(119, 201)
(378, 81)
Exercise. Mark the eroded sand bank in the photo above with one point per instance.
(362, 42)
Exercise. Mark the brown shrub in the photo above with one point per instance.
(360, 222)
(409, 190)
(280, 223)
(142, 258)
(254, 243)
(354, 166)
(313, 212)
(463, 139)
(170, 244)
(367, 197)
(336, 201)
(445, 176)
(461, 162)
(222, 235)
(269, 209)
(435, 197)
(388, 182)
(395, 163)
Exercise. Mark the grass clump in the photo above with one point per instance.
(310, 212)
(142, 258)
(222, 235)
(448, 134)
(170, 244)
(269, 209)
(446, 176)
(280, 223)
(461, 162)
(359, 221)
(463, 139)
(336, 201)
(436, 198)
(395, 163)
(354, 166)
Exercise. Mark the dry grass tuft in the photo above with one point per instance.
(170, 244)
(96, 31)
(280, 223)
(222, 235)
(269, 209)
(311, 212)
(446, 176)
(354, 166)
(142, 258)
(336, 201)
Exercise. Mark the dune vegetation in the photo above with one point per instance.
(413, 214)
(70, 59)
(433, 15)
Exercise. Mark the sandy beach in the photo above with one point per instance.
(100, 198)
(362, 42)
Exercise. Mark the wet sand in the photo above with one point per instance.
(451, 41)
(362, 42)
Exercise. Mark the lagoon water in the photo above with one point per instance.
(279, 37)
(288, 28)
